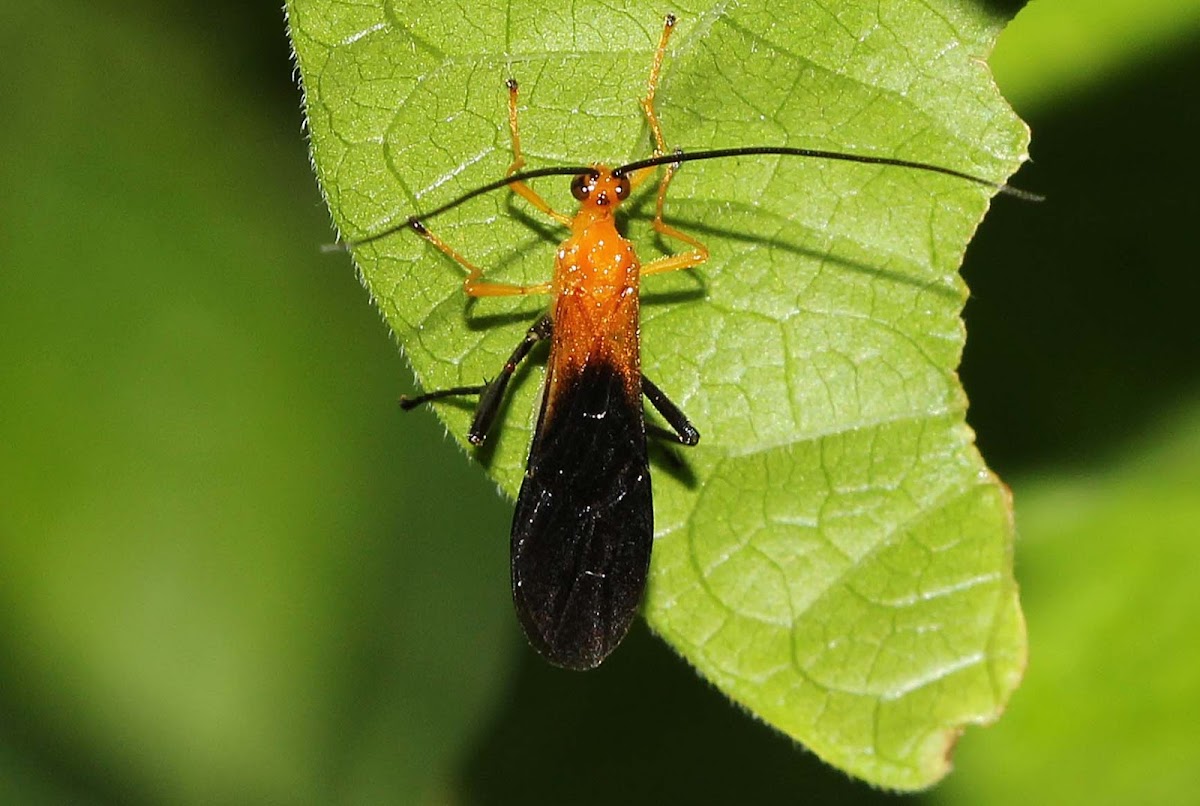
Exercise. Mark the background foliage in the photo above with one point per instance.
(205, 488)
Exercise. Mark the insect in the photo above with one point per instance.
(584, 522)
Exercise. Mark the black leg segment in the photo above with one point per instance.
(491, 394)
(684, 432)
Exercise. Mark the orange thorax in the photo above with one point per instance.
(596, 278)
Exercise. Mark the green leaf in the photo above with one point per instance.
(836, 556)
(1055, 49)
(1110, 563)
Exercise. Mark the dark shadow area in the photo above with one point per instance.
(477, 323)
(539, 243)
(545, 229)
(642, 730)
(888, 275)
(1082, 316)
(696, 294)
(668, 457)
(1003, 9)
(54, 754)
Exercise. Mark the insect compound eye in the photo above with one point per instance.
(581, 186)
(622, 188)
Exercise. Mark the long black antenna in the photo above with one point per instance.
(723, 153)
(414, 220)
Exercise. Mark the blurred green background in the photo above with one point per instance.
(231, 572)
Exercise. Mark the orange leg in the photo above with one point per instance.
(474, 285)
(660, 143)
(699, 252)
(686, 260)
(520, 188)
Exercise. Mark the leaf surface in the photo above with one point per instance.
(835, 556)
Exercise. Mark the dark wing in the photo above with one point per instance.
(584, 523)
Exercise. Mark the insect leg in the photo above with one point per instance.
(698, 253)
(684, 432)
(491, 394)
(520, 188)
(408, 403)
(686, 260)
(474, 285)
(660, 143)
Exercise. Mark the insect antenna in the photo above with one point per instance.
(675, 158)
(787, 151)
(414, 221)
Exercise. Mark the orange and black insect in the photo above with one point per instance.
(584, 522)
